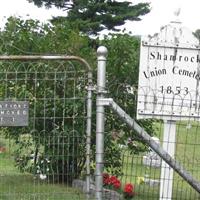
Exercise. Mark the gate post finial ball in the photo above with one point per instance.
(102, 52)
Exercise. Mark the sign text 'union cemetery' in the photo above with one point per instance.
(169, 75)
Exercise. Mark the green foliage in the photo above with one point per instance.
(31, 37)
(113, 157)
(93, 16)
(122, 76)
(197, 34)
(51, 89)
(49, 3)
(49, 135)
(24, 153)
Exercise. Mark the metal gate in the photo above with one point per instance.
(186, 181)
(45, 119)
(45, 113)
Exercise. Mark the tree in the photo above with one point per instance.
(30, 37)
(93, 16)
(55, 91)
(197, 34)
(122, 76)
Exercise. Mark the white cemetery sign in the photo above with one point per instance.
(169, 86)
(169, 75)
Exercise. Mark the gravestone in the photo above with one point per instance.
(152, 159)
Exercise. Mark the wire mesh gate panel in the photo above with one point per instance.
(40, 160)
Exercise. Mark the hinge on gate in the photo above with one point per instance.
(104, 101)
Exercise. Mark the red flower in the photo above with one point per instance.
(113, 179)
(105, 175)
(128, 188)
(117, 184)
(106, 179)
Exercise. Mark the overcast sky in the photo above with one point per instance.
(26, 10)
(161, 14)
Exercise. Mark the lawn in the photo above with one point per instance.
(187, 153)
(23, 186)
(15, 185)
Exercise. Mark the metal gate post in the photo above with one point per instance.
(100, 120)
(88, 131)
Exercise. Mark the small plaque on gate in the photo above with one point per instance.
(14, 113)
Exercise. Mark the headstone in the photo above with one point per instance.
(188, 126)
(152, 159)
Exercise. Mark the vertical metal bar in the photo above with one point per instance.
(100, 120)
(88, 131)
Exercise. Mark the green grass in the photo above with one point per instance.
(15, 185)
(187, 153)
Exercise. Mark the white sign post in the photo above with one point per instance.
(169, 86)
(166, 177)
